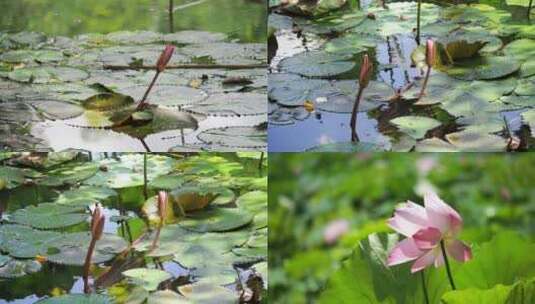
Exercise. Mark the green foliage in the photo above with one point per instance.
(308, 191)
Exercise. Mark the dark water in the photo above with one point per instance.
(241, 19)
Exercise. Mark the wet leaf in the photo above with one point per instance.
(217, 219)
(47, 75)
(317, 64)
(147, 278)
(242, 138)
(77, 299)
(415, 126)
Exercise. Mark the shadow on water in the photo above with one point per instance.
(241, 19)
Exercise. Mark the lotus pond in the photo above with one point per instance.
(479, 96)
(70, 71)
(206, 244)
(329, 239)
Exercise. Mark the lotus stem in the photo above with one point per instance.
(97, 229)
(418, 12)
(424, 287)
(430, 60)
(353, 124)
(147, 92)
(448, 270)
(364, 79)
(171, 17)
(529, 8)
(145, 191)
(259, 166)
(162, 212)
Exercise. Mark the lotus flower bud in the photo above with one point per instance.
(162, 203)
(97, 222)
(165, 57)
(365, 72)
(430, 53)
(97, 212)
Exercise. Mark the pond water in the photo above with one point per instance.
(57, 56)
(241, 19)
(225, 241)
(332, 47)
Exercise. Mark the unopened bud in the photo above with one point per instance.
(162, 203)
(430, 53)
(365, 72)
(165, 57)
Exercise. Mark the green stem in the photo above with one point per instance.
(418, 21)
(529, 8)
(424, 287)
(450, 277)
(353, 122)
(145, 192)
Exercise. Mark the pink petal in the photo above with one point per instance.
(404, 251)
(441, 215)
(408, 219)
(427, 238)
(424, 261)
(459, 251)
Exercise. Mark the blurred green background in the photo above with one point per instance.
(310, 191)
(241, 19)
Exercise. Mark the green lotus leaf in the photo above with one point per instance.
(190, 37)
(231, 104)
(347, 147)
(77, 299)
(434, 145)
(18, 268)
(256, 203)
(49, 216)
(415, 126)
(166, 95)
(71, 248)
(235, 138)
(483, 68)
(521, 49)
(12, 177)
(25, 242)
(137, 37)
(107, 102)
(28, 56)
(166, 297)
(217, 220)
(69, 174)
(147, 278)
(47, 75)
(317, 64)
(473, 141)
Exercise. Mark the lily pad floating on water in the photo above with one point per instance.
(47, 74)
(231, 104)
(192, 198)
(415, 126)
(28, 56)
(147, 278)
(107, 102)
(136, 37)
(317, 64)
(469, 141)
(217, 220)
(192, 37)
(57, 110)
(347, 147)
(49, 216)
(71, 248)
(77, 299)
(227, 53)
(246, 138)
(484, 68)
(521, 49)
(11, 268)
(166, 95)
(528, 117)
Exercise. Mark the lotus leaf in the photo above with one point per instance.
(47, 74)
(317, 64)
(217, 220)
(232, 138)
(147, 278)
(77, 299)
(415, 126)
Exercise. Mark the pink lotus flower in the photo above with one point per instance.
(425, 229)
(335, 230)
(165, 57)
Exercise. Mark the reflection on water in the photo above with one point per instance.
(54, 134)
(241, 19)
